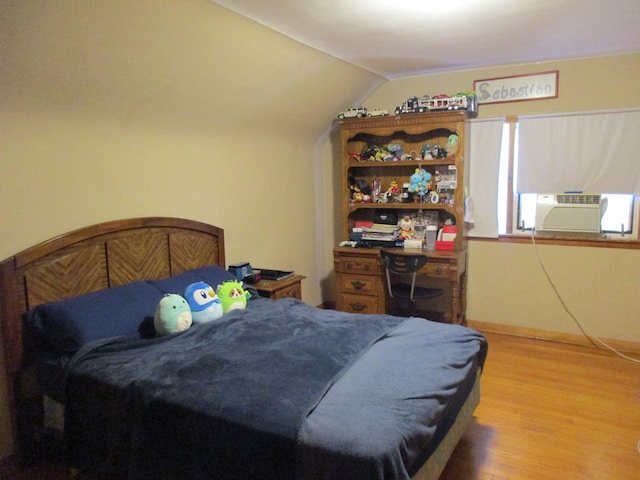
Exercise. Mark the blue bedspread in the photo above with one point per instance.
(279, 390)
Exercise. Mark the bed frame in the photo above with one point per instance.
(103, 256)
(82, 261)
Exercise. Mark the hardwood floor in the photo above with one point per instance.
(547, 411)
(552, 411)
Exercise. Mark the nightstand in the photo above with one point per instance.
(275, 289)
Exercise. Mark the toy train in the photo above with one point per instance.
(426, 103)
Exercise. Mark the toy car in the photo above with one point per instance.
(353, 112)
(377, 112)
(413, 105)
(459, 101)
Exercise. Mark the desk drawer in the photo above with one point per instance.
(359, 265)
(436, 269)
(359, 303)
(360, 284)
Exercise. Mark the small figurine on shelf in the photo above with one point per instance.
(396, 151)
(393, 192)
(374, 153)
(355, 156)
(406, 227)
(360, 190)
(433, 152)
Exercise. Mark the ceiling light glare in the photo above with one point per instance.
(428, 6)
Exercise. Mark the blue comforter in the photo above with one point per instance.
(279, 390)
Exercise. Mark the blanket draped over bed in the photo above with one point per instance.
(268, 392)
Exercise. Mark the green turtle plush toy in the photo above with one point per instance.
(173, 314)
(232, 295)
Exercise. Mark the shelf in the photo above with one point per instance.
(403, 163)
(401, 206)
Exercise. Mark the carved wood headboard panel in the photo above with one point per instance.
(97, 257)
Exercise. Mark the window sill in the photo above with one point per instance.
(571, 241)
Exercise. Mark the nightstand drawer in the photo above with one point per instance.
(359, 303)
(360, 284)
(289, 287)
(292, 291)
(367, 265)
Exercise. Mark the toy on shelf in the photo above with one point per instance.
(406, 227)
(360, 190)
(353, 112)
(359, 112)
(419, 184)
(460, 101)
(375, 153)
(451, 148)
(432, 152)
(377, 112)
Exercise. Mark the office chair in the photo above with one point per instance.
(401, 266)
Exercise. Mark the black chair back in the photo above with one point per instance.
(399, 266)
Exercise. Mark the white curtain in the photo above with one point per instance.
(485, 141)
(584, 152)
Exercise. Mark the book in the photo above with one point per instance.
(270, 274)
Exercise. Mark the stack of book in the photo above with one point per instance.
(379, 232)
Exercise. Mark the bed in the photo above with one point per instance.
(279, 389)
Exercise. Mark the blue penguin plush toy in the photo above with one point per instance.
(172, 315)
(205, 304)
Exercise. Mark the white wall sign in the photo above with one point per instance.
(517, 88)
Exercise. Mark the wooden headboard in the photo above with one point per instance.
(98, 257)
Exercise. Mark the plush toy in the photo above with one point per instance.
(419, 182)
(203, 301)
(172, 315)
(232, 295)
(452, 144)
(360, 190)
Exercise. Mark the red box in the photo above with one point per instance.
(446, 237)
(444, 245)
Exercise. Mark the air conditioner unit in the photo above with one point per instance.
(569, 212)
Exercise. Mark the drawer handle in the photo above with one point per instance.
(349, 267)
(358, 307)
(358, 285)
(439, 271)
(367, 267)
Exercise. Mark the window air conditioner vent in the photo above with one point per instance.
(567, 212)
(577, 199)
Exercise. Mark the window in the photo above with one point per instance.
(580, 152)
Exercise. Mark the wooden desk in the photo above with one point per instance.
(361, 287)
(275, 289)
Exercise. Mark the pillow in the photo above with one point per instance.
(67, 325)
(213, 276)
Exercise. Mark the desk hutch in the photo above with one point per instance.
(359, 272)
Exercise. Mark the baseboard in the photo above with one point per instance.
(328, 305)
(620, 345)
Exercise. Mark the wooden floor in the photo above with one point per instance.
(552, 411)
(547, 411)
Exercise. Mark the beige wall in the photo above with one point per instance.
(506, 283)
(161, 107)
